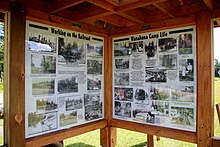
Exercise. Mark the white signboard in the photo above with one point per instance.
(63, 79)
(155, 78)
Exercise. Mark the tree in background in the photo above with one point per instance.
(217, 68)
(1, 49)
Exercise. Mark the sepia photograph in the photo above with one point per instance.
(136, 47)
(160, 108)
(93, 106)
(122, 49)
(42, 64)
(182, 116)
(71, 52)
(68, 118)
(94, 67)
(185, 43)
(122, 63)
(121, 78)
(167, 45)
(160, 93)
(141, 96)
(124, 94)
(143, 116)
(43, 86)
(168, 61)
(155, 75)
(46, 104)
(94, 83)
(186, 70)
(38, 123)
(73, 103)
(42, 43)
(151, 49)
(123, 109)
(183, 93)
(67, 84)
(94, 50)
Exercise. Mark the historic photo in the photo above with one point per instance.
(46, 104)
(68, 118)
(168, 61)
(185, 43)
(160, 93)
(155, 75)
(94, 50)
(122, 63)
(94, 83)
(43, 86)
(183, 93)
(143, 116)
(136, 47)
(186, 70)
(124, 94)
(141, 96)
(123, 109)
(94, 67)
(122, 49)
(182, 116)
(73, 103)
(68, 84)
(167, 45)
(121, 78)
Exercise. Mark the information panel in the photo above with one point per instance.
(63, 79)
(154, 79)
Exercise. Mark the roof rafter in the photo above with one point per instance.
(209, 4)
(166, 8)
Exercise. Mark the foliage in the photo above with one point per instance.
(1, 47)
(217, 68)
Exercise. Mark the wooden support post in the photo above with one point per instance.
(15, 75)
(151, 141)
(205, 107)
(108, 137)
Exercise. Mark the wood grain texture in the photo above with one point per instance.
(151, 141)
(16, 99)
(108, 137)
(205, 74)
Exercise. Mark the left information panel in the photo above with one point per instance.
(64, 74)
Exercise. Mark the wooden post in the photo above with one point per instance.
(108, 134)
(205, 74)
(151, 141)
(15, 75)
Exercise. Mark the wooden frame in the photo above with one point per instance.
(15, 73)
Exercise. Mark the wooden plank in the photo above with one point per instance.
(130, 17)
(138, 4)
(42, 17)
(64, 134)
(157, 131)
(16, 103)
(58, 5)
(108, 137)
(151, 141)
(154, 26)
(167, 8)
(209, 4)
(103, 4)
(216, 141)
(216, 13)
(4, 6)
(205, 79)
(96, 16)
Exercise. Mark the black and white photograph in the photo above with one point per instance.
(94, 67)
(94, 83)
(93, 106)
(155, 75)
(121, 78)
(42, 64)
(68, 118)
(42, 43)
(67, 84)
(160, 108)
(122, 49)
(168, 61)
(186, 70)
(183, 93)
(71, 52)
(137, 47)
(38, 123)
(43, 86)
(151, 49)
(160, 93)
(167, 45)
(123, 109)
(185, 43)
(122, 63)
(141, 96)
(94, 50)
(182, 116)
(47, 104)
(73, 103)
(124, 94)
(143, 116)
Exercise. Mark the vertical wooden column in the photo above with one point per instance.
(108, 134)
(15, 63)
(151, 141)
(205, 76)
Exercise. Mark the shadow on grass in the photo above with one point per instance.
(143, 144)
(79, 145)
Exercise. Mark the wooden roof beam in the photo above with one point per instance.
(167, 8)
(59, 5)
(4, 5)
(138, 4)
(103, 4)
(209, 4)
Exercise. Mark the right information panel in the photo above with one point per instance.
(154, 78)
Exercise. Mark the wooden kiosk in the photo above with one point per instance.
(108, 21)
